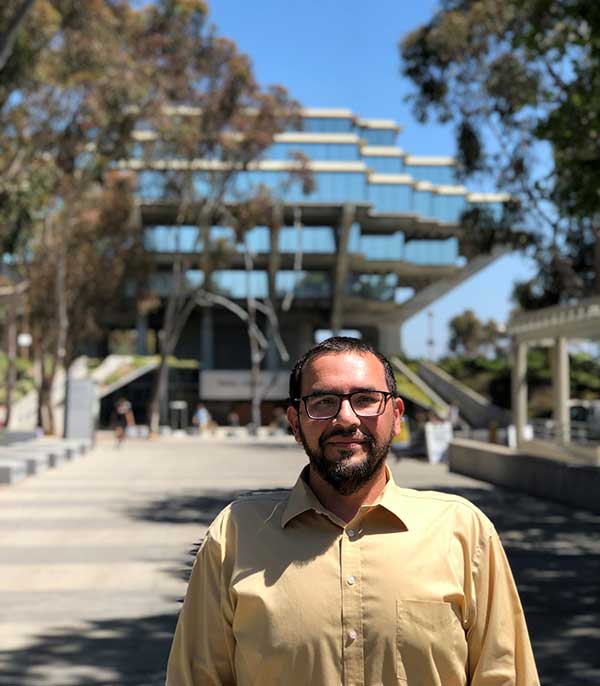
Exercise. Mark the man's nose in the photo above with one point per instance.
(346, 415)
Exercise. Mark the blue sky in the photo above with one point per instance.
(329, 53)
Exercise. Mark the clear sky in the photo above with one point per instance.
(330, 53)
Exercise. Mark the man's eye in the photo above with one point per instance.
(324, 401)
(365, 399)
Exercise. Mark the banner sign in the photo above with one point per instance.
(437, 439)
(235, 385)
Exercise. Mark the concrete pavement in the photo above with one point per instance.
(93, 558)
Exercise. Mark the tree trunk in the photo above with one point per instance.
(159, 389)
(11, 354)
(255, 358)
(7, 39)
(597, 256)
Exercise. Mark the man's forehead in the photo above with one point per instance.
(344, 366)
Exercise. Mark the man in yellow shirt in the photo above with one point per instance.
(350, 579)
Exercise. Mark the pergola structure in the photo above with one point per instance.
(552, 327)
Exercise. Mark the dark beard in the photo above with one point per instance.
(344, 477)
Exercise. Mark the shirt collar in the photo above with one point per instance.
(302, 499)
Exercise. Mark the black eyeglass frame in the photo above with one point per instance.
(386, 396)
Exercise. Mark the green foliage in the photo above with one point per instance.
(24, 377)
(518, 79)
(470, 336)
(492, 378)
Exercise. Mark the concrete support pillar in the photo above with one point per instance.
(561, 390)
(519, 389)
(273, 361)
(303, 339)
(207, 352)
(141, 326)
(341, 268)
(390, 341)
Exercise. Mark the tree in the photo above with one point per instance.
(465, 333)
(77, 81)
(470, 336)
(520, 80)
(70, 93)
(202, 151)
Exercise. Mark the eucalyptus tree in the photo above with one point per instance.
(200, 149)
(70, 93)
(520, 80)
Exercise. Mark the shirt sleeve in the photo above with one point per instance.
(203, 644)
(499, 647)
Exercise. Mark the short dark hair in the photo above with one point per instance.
(334, 345)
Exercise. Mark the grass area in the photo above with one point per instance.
(139, 361)
(24, 381)
(408, 390)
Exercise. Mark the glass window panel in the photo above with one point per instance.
(305, 284)
(390, 197)
(378, 136)
(235, 284)
(390, 247)
(354, 239)
(314, 239)
(372, 286)
(432, 252)
(449, 207)
(326, 125)
(258, 239)
(439, 175)
(168, 239)
(403, 294)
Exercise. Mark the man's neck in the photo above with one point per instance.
(346, 506)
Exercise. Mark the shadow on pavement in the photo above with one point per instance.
(554, 552)
(191, 509)
(128, 652)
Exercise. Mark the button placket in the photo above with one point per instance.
(353, 652)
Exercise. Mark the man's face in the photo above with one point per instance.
(346, 450)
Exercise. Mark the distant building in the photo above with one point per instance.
(380, 241)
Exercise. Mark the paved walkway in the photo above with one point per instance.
(93, 558)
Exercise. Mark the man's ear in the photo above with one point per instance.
(398, 412)
(293, 419)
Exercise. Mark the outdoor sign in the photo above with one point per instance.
(81, 408)
(235, 385)
(437, 439)
(511, 434)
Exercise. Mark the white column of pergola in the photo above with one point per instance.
(551, 326)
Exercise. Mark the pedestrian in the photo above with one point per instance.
(202, 418)
(123, 420)
(233, 419)
(349, 579)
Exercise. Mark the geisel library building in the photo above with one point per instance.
(380, 241)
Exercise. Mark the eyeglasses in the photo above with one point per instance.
(327, 405)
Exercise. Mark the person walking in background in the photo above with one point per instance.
(202, 418)
(123, 419)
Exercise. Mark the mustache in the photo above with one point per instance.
(346, 433)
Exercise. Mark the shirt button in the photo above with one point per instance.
(352, 635)
(351, 533)
(350, 580)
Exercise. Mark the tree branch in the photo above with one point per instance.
(7, 39)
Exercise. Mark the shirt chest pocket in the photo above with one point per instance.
(431, 647)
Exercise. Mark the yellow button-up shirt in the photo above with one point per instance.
(415, 590)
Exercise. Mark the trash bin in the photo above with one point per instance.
(178, 410)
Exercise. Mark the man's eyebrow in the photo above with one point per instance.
(335, 391)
